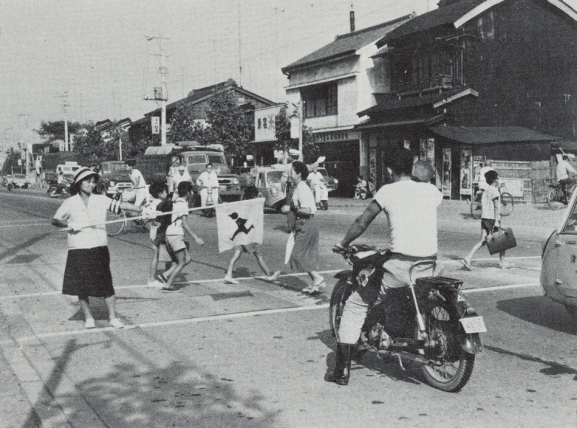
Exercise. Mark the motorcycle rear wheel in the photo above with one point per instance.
(452, 366)
(114, 229)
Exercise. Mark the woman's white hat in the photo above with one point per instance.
(82, 173)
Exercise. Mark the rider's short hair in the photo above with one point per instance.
(184, 187)
(156, 188)
(491, 176)
(301, 168)
(565, 157)
(131, 162)
(401, 162)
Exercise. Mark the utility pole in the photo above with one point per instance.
(161, 94)
(64, 97)
(301, 119)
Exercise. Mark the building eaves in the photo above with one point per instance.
(490, 134)
(455, 15)
(346, 44)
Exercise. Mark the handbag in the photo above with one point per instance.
(501, 240)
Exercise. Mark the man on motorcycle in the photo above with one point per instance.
(411, 208)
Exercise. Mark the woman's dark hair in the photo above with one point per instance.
(184, 187)
(157, 188)
(491, 176)
(75, 187)
(301, 168)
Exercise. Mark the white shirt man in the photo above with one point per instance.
(317, 183)
(178, 175)
(208, 180)
(564, 168)
(138, 185)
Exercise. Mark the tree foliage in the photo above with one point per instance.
(226, 124)
(11, 161)
(90, 144)
(51, 131)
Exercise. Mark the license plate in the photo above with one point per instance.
(474, 325)
(223, 188)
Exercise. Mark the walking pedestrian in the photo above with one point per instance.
(138, 182)
(175, 233)
(252, 248)
(305, 253)
(490, 218)
(87, 273)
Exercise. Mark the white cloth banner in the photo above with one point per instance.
(240, 223)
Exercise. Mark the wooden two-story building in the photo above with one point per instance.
(475, 81)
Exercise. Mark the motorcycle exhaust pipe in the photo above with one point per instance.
(415, 359)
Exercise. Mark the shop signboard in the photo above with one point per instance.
(465, 182)
(512, 185)
(446, 181)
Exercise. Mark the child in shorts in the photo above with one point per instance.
(175, 233)
(159, 202)
(252, 248)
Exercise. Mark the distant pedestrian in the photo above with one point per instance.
(138, 182)
(208, 181)
(252, 248)
(87, 273)
(490, 218)
(305, 253)
(175, 233)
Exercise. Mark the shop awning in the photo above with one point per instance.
(428, 120)
(566, 146)
(490, 134)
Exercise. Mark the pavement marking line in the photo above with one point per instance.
(200, 281)
(501, 287)
(173, 322)
(225, 316)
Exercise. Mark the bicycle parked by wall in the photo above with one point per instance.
(506, 203)
(555, 197)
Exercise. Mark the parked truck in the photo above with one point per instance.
(114, 178)
(156, 162)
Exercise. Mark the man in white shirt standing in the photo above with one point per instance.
(138, 183)
(208, 181)
(411, 209)
(178, 174)
(317, 181)
(564, 172)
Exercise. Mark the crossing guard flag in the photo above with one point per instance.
(239, 223)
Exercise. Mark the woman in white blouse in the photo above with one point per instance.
(87, 271)
(305, 253)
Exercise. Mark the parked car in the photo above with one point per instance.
(20, 181)
(558, 271)
(268, 182)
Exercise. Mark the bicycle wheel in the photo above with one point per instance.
(113, 229)
(554, 199)
(506, 203)
(476, 209)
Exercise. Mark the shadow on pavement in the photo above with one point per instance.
(540, 310)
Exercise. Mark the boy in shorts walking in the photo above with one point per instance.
(252, 248)
(490, 218)
(175, 233)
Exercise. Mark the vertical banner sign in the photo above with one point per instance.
(446, 181)
(422, 149)
(155, 124)
(431, 151)
(466, 172)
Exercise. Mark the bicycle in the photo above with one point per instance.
(506, 203)
(555, 196)
(114, 229)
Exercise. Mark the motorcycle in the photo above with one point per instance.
(60, 189)
(428, 324)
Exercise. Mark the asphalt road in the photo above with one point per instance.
(256, 354)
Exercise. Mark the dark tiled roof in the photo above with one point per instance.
(347, 44)
(387, 103)
(490, 134)
(436, 18)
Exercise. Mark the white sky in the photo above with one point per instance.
(96, 50)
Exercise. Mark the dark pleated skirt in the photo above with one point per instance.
(305, 254)
(87, 273)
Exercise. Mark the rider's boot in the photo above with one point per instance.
(343, 365)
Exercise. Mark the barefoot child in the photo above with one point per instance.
(252, 248)
(175, 233)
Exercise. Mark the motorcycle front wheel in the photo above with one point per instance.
(337, 305)
(451, 367)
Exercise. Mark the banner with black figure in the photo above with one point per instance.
(240, 223)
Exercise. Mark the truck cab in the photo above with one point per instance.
(114, 177)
